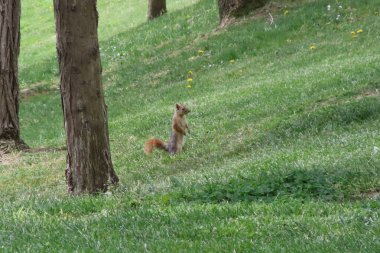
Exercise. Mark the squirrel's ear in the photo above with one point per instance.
(177, 106)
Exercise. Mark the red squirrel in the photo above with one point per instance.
(176, 141)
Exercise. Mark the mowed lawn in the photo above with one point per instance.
(284, 150)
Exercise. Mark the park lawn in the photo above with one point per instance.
(283, 152)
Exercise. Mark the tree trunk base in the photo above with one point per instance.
(229, 10)
(156, 8)
(8, 146)
(226, 21)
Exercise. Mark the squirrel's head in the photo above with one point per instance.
(181, 109)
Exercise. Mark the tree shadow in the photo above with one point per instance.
(327, 184)
(45, 149)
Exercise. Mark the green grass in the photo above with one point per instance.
(282, 151)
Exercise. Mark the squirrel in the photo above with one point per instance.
(176, 141)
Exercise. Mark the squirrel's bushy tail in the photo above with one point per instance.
(154, 143)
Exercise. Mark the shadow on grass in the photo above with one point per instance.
(330, 117)
(334, 182)
(45, 150)
(340, 114)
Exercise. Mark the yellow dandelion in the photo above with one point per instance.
(312, 47)
(353, 33)
(190, 72)
(232, 61)
(286, 12)
(189, 80)
(359, 30)
(201, 52)
(188, 86)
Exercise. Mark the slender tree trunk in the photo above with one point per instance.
(89, 165)
(156, 8)
(235, 8)
(9, 88)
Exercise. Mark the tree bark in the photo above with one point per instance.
(235, 8)
(9, 87)
(89, 165)
(156, 8)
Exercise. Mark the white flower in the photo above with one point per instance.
(328, 7)
(338, 17)
(375, 150)
(340, 6)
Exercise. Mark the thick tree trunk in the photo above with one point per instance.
(156, 8)
(89, 165)
(235, 8)
(9, 87)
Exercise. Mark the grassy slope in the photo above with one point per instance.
(281, 145)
